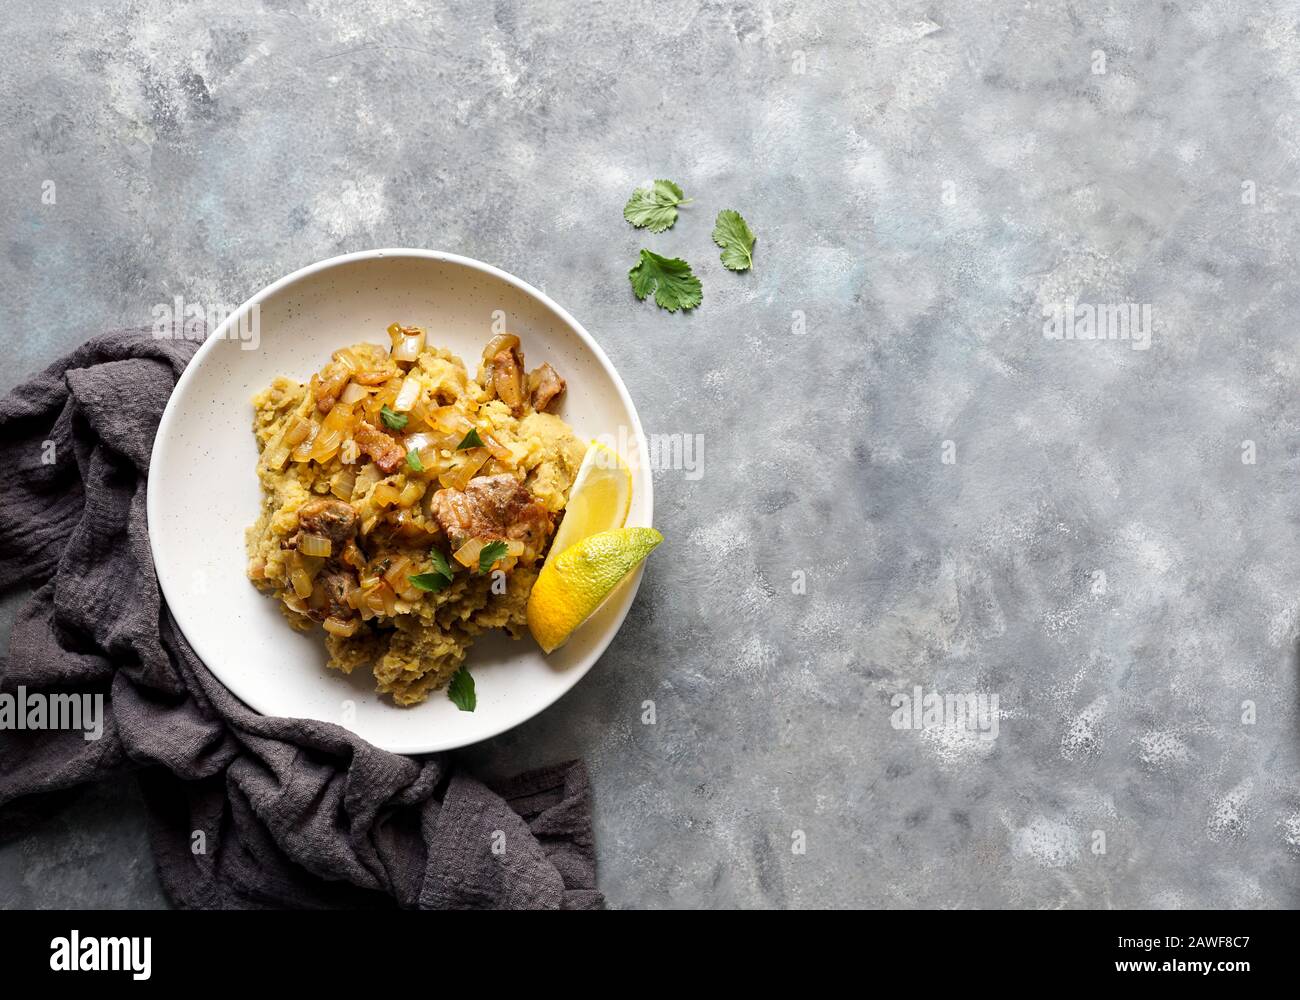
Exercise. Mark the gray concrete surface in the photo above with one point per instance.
(1098, 550)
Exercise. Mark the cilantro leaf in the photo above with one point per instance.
(732, 233)
(440, 564)
(392, 419)
(671, 280)
(471, 440)
(432, 582)
(655, 207)
(461, 690)
(436, 580)
(489, 554)
(413, 460)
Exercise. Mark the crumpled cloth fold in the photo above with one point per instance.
(245, 811)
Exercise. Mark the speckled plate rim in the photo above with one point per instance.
(571, 675)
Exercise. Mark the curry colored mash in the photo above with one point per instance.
(395, 487)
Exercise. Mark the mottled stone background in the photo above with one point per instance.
(924, 179)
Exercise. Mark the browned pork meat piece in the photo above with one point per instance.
(493, 507)
(329, 597)
(507, 371)
(334, 519)
(544, 383)
(383, 449)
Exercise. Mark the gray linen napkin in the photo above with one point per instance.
(246, 811)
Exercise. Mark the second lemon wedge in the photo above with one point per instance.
(598, 500)
(574, 584)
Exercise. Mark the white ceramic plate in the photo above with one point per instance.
(203, 490)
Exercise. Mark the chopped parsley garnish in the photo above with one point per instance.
(471, 440)
(413, 460)
(393, 420)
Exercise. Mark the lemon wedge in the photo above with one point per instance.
(574, 584)
(598, 500)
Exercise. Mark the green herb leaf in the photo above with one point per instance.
(440, 564)
(392, 419)
(489, 554)
(461, 690)
(671, 280)
(436, 580)
(655, 207)
(413, 460)
(732, 233)
(471, 440)
(432, 582)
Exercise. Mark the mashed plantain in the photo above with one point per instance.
(406, 504)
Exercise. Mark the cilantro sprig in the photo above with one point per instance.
(461, 690)
(655, 208)
(489, 554)
(437, 579)
(732, 233)
(440, 563)
(669, 278)
(392, 419)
